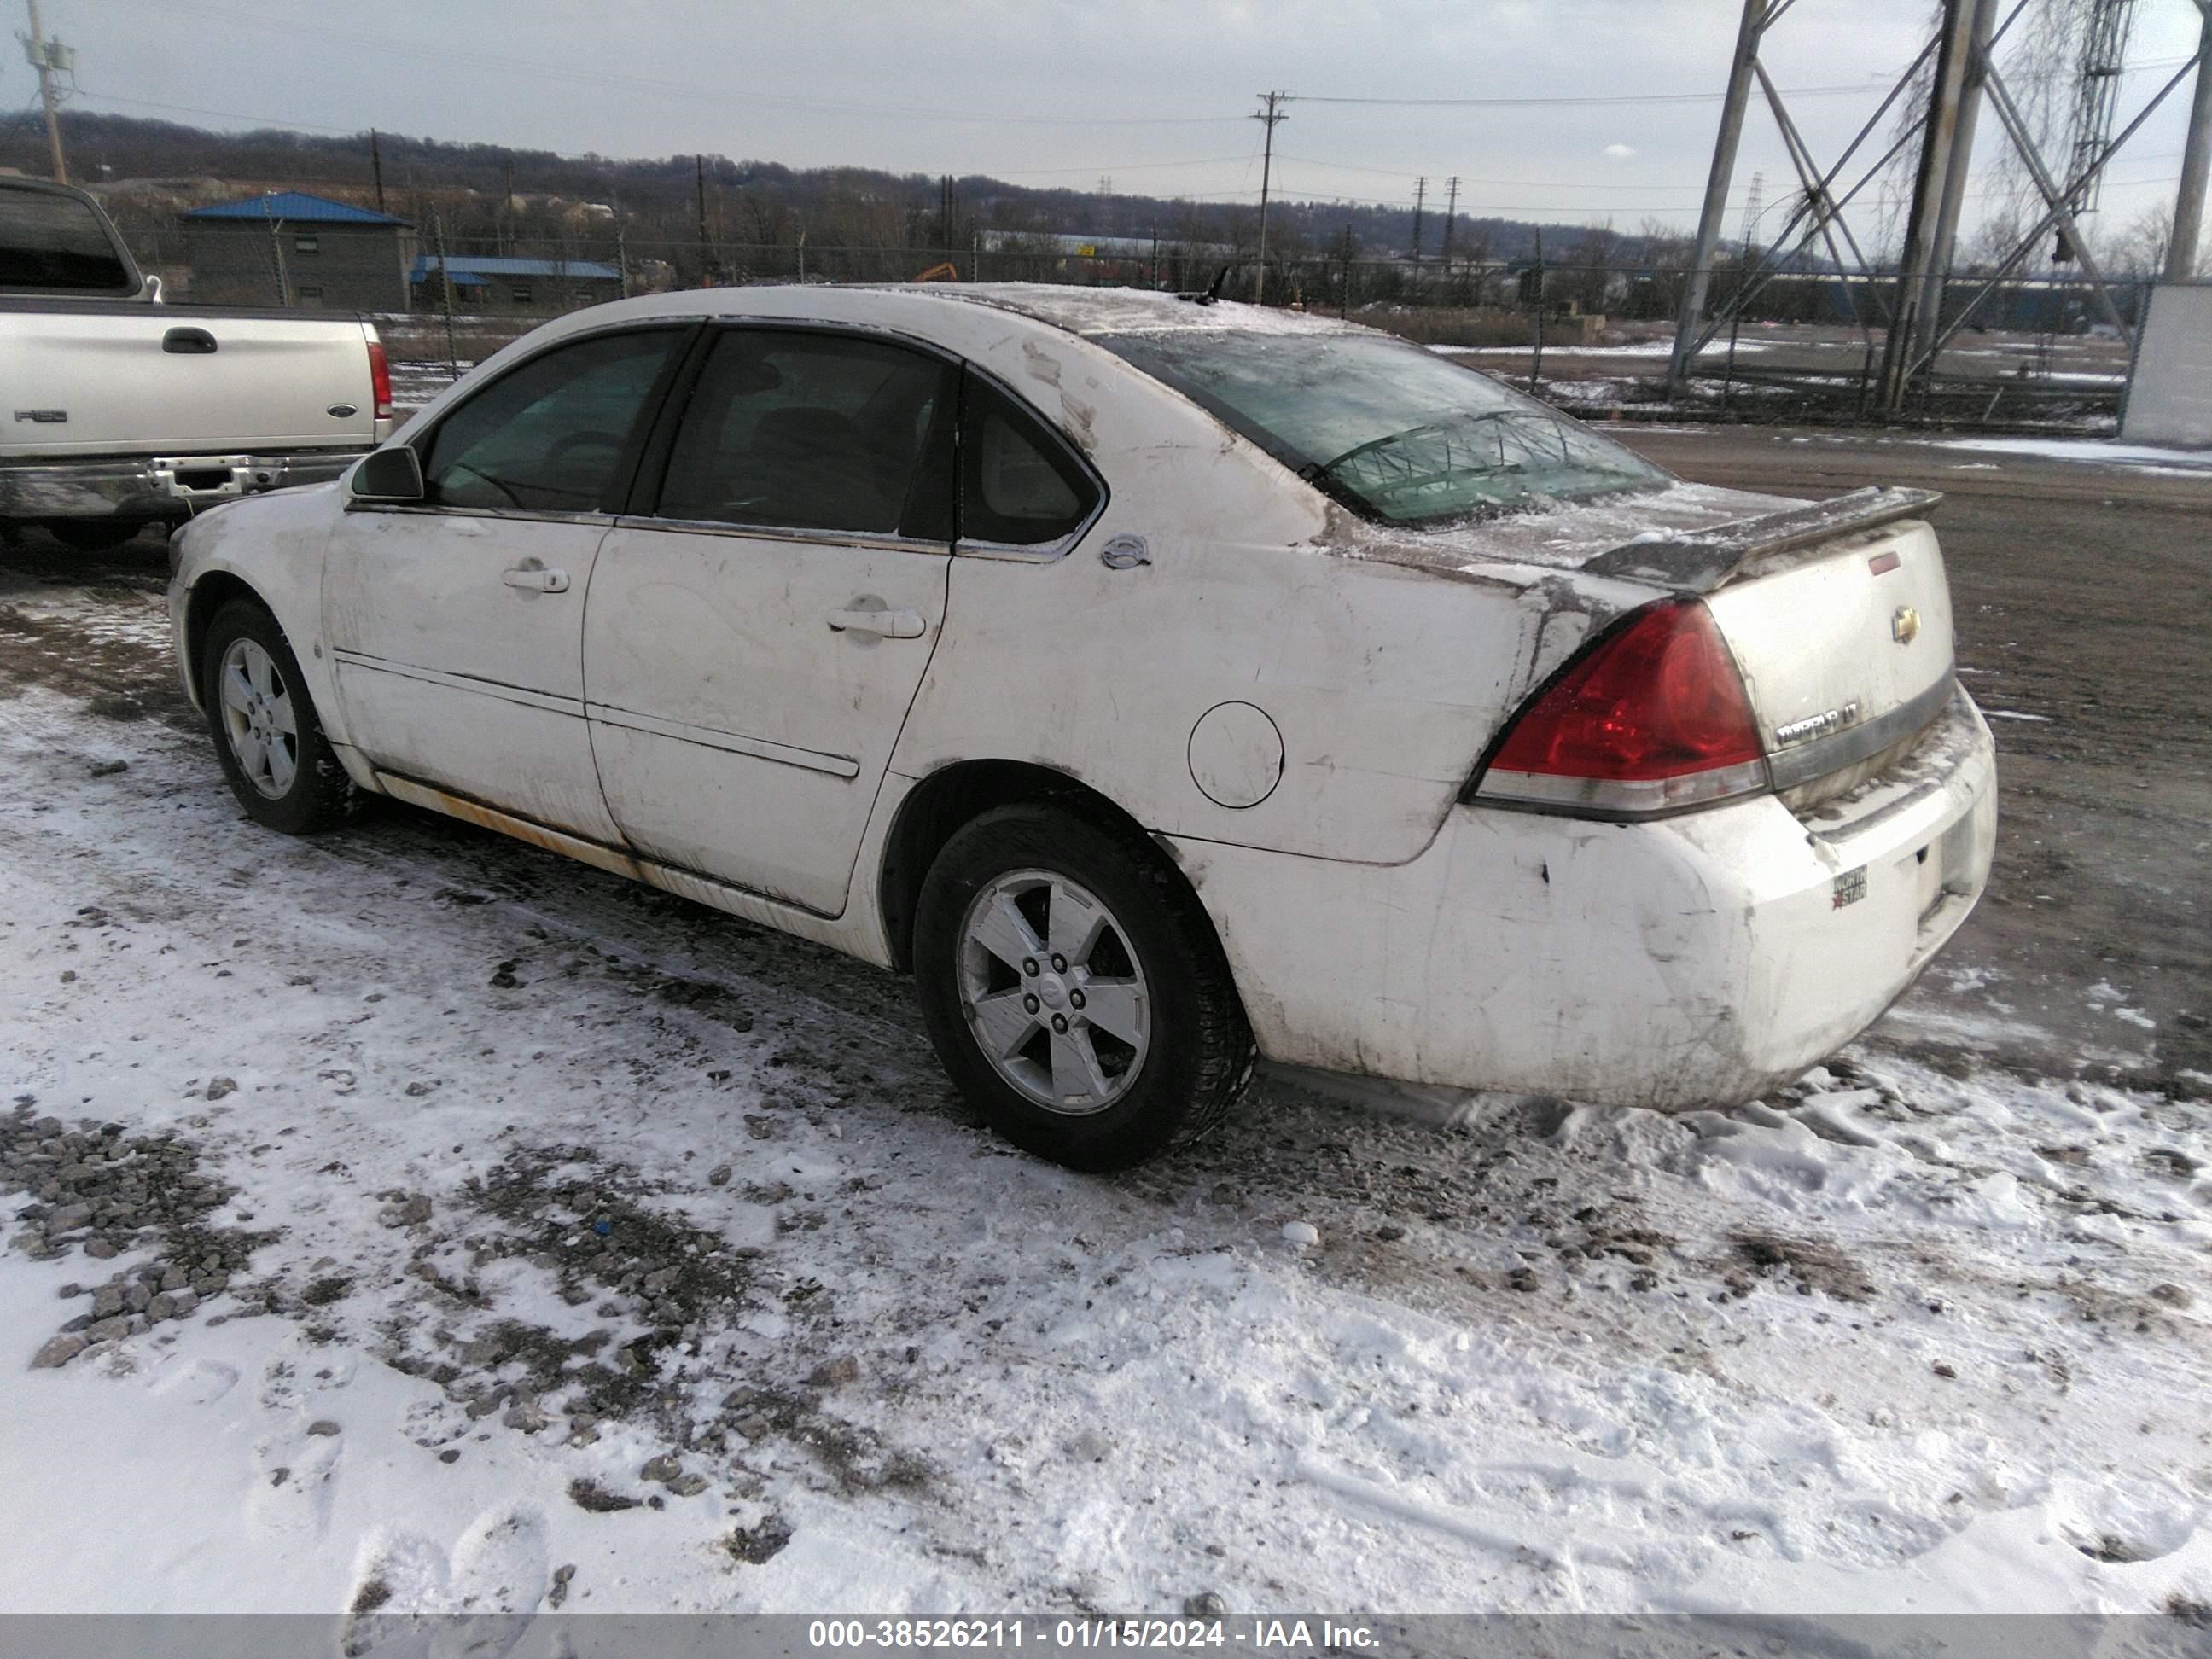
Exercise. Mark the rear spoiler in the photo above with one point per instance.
(1699, 562)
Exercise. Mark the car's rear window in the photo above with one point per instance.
(49, 241)
(1394, 432)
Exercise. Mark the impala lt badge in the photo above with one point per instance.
(1905, 626)
(1816, 726)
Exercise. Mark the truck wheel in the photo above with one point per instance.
(1075, 991)
(95, 535)
(266, 734)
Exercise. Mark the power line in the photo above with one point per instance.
(224, 114)
(1608, 100)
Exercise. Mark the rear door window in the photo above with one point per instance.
(550, 436)
(1020, 487)
(48, 241)
(795, 430)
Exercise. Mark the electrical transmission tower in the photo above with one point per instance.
(1451, 216)
(1911, 311)
(1754, 204)
(1420, 196)
(2097, 91)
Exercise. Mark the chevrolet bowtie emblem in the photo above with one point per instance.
(1905, 626)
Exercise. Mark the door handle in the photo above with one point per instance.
(188, 341)
(891, 624)
(535, 579)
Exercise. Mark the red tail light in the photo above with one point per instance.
(1650, 719)
(379, 379)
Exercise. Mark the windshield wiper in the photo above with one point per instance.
(1321, 471)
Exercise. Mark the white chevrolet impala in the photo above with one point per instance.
(1162, 682)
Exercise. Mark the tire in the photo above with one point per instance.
(95, 535)
(287, 781)
(1107, 1090)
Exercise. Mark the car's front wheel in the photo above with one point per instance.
(1074, 990)
(266, 734)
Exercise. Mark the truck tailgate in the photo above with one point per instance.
(135, 379)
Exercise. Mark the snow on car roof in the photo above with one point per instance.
(1138, 311)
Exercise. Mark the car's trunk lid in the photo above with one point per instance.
(1838, 613)
(1843, 635)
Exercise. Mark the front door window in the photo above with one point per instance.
(551, 435)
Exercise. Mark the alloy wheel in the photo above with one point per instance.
(1053, 993)
(258, 719)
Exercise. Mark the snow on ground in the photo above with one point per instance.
(2094, 451)
(530, 1239)
(1640, 349)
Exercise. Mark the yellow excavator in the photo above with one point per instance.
(947, 272)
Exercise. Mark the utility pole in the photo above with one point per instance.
(706, 249)
(1451, 214)
(1421, 195)
(2195, 163)
(1742, 69)
(1267, 118)
(1953, 47)
(507, 207)
(376, 166)
(47, 56)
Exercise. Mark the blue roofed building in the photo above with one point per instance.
(502, 283)
(289, 248)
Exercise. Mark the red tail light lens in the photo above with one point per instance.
(1652, 719)
(380, 379)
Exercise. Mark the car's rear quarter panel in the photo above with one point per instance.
(1385, 683)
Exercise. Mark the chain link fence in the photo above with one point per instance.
(1799, 345)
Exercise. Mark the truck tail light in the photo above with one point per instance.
(379, 379)
(1651, 718)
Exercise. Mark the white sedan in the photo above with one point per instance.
(1163, 683)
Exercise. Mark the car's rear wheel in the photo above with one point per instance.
(1074, 989)
(266, 734)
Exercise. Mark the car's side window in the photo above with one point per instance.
(548, 436)
(1019, 485)
(789, 429)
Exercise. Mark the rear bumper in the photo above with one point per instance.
(156, 486)
(1695, 961)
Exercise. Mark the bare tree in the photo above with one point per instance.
(2139, 250)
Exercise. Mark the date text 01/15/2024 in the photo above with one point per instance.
(1257, 1635)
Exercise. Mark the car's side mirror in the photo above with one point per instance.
(389, 475)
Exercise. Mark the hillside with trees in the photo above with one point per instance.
(757, 215)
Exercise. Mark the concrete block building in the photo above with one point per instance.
(289, 248)
(494, 283)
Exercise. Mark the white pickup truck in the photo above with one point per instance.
(118, 410)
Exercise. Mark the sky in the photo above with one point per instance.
(1156, 96)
